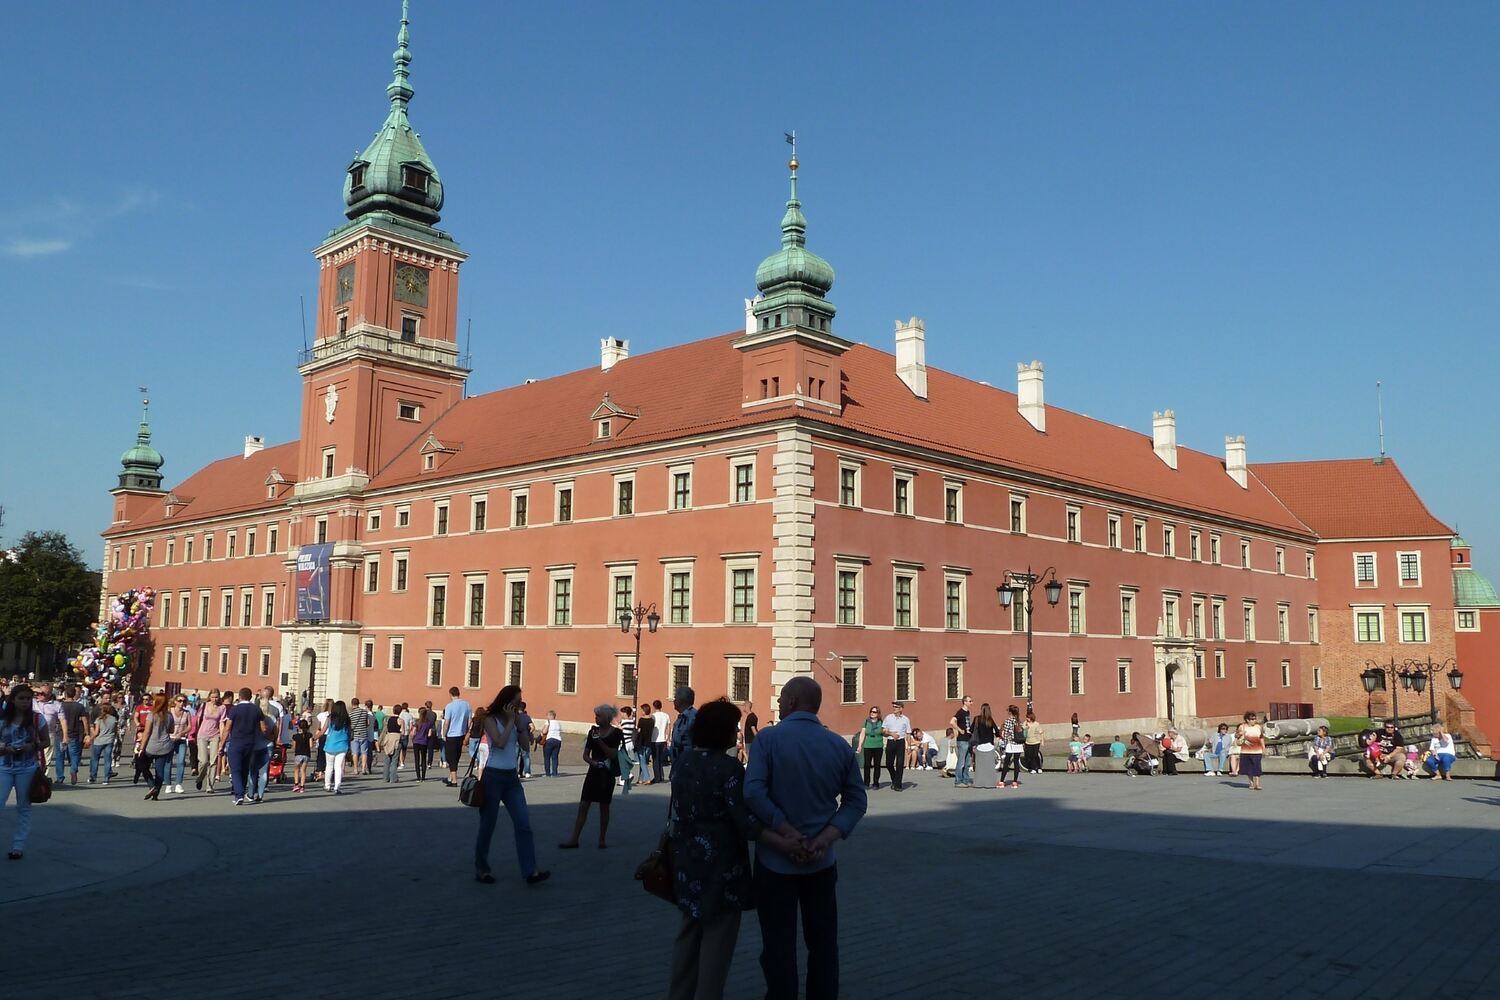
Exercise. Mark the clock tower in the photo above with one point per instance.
(385, 362)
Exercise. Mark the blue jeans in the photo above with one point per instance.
(525, 752)
(1215, 761)
(18, 777)
(161, 766)
(961, 775)
(643, 758)
(260, 773)
(549, 757)
(504, 787)
(627, 770)
(105, 750)
(72, 753)
(178, 764)
(1439, 761)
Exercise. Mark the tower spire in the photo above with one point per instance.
(794, 281)
(400, 89)
(140, 467)
(793, 223)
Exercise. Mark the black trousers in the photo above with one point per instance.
(872, 767)
(779, 898)
(895, 760)
(1168, 762)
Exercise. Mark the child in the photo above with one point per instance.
(1075, 754)
(301, 751)
(1411, 769)
(1084, 752)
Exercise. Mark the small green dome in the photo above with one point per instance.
(142, 456)
(394, 174)
(794, 264)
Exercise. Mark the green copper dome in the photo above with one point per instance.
(794, 265)
(394, 174)
(140, 467)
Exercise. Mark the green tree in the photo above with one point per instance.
(48, 596)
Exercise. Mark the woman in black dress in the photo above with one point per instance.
(601, 752)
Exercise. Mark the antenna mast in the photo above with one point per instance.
(302, 307)
(1380, 419)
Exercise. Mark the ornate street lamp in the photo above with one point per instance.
(1424, 674)
(641, 614)
(1017, 584)
(1375, 678)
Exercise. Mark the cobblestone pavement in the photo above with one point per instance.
(1092, 886)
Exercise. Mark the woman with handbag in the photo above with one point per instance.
(101, 741)
(335, 735)
(601, 752)
(20, 756)
(1011, 742)
(156, 745)
(500, 784)
(182, 721)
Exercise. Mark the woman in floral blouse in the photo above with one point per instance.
(711, 830)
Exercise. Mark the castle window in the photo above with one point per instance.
(408, 411)
(357, 176)
(414, 178)
(343, 323)
(409, 329)
(604, 428)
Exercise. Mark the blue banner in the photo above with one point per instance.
(312, 582)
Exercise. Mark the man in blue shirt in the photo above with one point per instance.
(523, 736)
(803, 775)
(456, 717)
(682, 727)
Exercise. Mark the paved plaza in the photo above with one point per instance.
(1090, 886)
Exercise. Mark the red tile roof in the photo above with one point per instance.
(223, 487)
(1352, 498)
(695, 388)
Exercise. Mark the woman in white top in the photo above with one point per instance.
(501, 784)
(1440, 754)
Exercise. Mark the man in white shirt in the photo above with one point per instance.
(659, 737)
(927, 749)
(897, 728)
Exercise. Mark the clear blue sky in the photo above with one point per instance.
(1246, 212)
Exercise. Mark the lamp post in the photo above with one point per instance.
(1018, 583)
(1374, 678)
(641, 614)
(1419, 674)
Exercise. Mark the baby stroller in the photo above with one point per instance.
(1137, 762)
(277, 768)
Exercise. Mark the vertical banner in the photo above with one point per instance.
(312, 582)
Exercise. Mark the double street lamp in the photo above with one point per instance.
(1023, 584)
(641, 615)
(1414, 675)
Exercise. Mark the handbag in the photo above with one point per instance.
(657, 874)
(471, 789)
(41, 785)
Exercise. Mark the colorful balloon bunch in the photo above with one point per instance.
(106, 665)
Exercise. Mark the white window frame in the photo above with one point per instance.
(1221, 670)
(1313, 625)
(847, 465)
(470, 580)
(842, 566)
(746, 663)
(909, 664)
(434, 582)
(1286, 673)
(558, 489)
(367, 652)
(1169, 541)
(400, 558)
(1215, 548)
(858, 666)
(1081, 592)
(1012, 510)
(673, 471)
(1369, 609)
(955, 486)
(394, 661)
(1251, 675)
(1130, 601)
(669, 567)
(403, 515)
(617, 571)
(513, 577)
(623, 660)
(515, 658)
(372, 562)
(1195, 545)
(1245, 561)
(1458, 619)
(1138, 536)
(1402, 610)
(434, 658)
(949, 666)
(479, 503)
(520, 497)
(751, 563)
(1171, 615)
(473, 661)
(1281, 560)
(1075, 676)
(683, 663)
(899, 478)
(912, 572)
(736, 463)
(621, 478)
(1283, 623)
(555, 576)
(329, 464)
(951, 576)
(1116, 526)
(1249, 624)
(1073, 523)
(442, 516)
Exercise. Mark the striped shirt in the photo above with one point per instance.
(359, 724)
(627, 729)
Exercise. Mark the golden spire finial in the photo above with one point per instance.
(791, 140)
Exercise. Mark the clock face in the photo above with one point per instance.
(345, 284)
(411, 284)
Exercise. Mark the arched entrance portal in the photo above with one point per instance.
(1176, 675)
(308, 675)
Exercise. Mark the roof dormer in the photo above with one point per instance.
(434, 454)
(610, 419)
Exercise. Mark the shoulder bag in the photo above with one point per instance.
(41, 785)
(657, 874)
(471, 789)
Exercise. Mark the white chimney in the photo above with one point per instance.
(750, 325)
(1164, 436)
(253, 444)
(1029, 394)
(1234, 461)
(911, 355)
(611, 350)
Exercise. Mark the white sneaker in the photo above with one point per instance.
(179, 789)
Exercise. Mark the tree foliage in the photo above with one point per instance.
(48, 595)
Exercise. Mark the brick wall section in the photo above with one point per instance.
(1344, 660)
